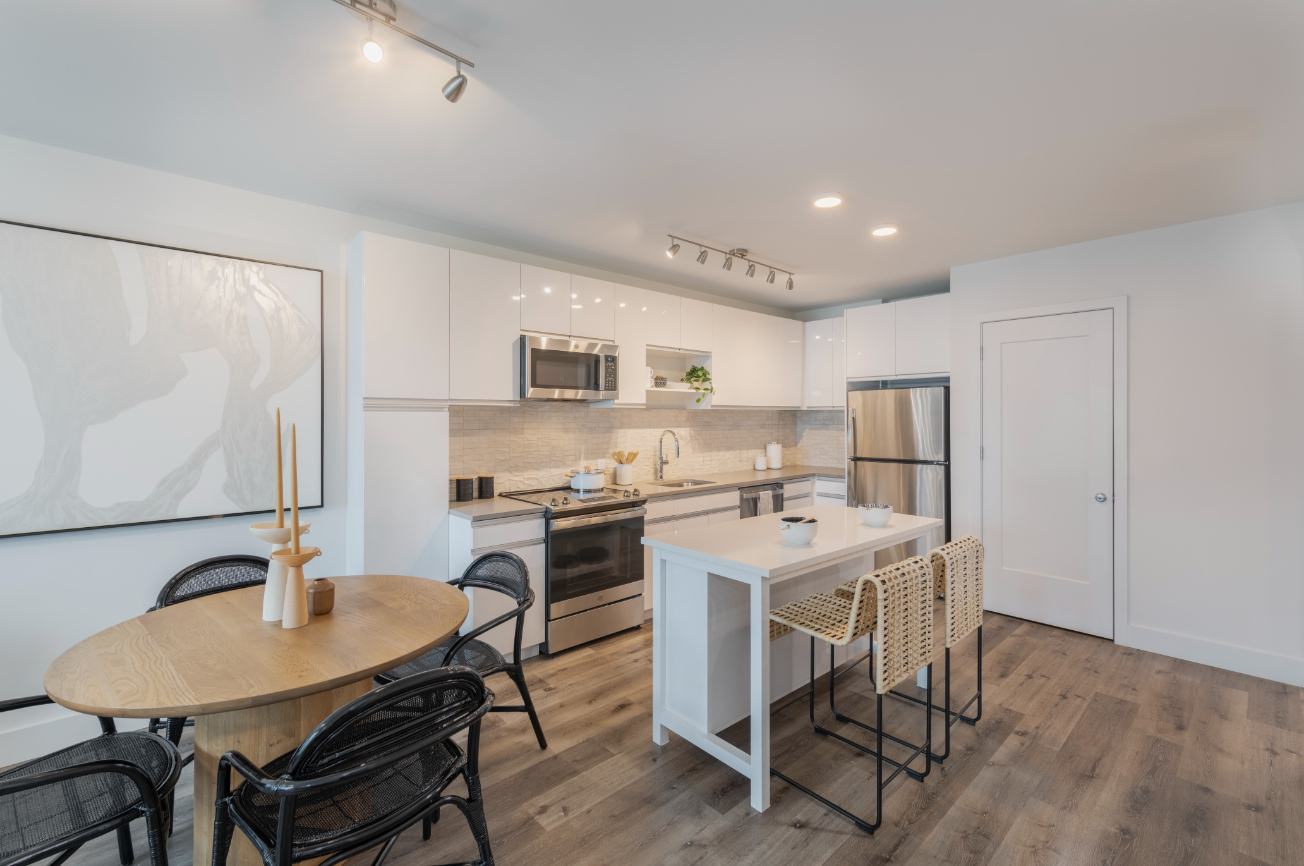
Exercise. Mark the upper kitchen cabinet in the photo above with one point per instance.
(631, 340)
(923, 335)
(400, 290)
(785, 338)
(871, 341)
(545, 301)
(663, 320)
(694, 326)
(728, 374)
(485, 308)
(820, 380)
(593, 309)
(839, 339)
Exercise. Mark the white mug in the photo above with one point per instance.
(760, 463)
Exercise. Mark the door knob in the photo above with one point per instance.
(1100, 497)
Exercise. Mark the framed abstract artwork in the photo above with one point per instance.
(140, 383)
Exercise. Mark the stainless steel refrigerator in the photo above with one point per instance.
(899, 454)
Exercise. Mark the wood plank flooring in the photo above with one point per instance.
(1087, 753)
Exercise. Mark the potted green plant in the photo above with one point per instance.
(699, 379)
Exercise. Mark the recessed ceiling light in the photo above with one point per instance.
(828, 200)
(622, 305)
(547, 289)
(884, 231)
(577, 306)
(597, 300)
(573, 295)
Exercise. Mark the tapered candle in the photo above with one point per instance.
(294, 493)
(280, 479)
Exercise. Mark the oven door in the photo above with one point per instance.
(594, 560)
(556, 368)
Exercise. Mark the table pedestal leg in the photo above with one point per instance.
(261, 734)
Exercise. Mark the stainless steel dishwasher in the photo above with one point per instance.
(749, 498)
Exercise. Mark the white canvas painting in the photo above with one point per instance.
(140, 383)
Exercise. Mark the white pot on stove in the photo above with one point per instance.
(587, 479)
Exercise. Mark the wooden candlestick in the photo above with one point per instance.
(274, 589)
(280, 480)
(294, 495)
(295, 612)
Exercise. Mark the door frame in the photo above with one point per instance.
(1118, 305)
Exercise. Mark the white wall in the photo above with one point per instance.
(1216, 425)
(58, 589)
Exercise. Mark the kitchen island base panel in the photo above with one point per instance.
(260, 734)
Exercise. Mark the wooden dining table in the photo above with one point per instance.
(251, 685)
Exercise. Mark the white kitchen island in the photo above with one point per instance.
(713, 588)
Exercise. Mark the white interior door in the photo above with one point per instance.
(1048, 467)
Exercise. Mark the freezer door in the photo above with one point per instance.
(897, 424)
(909, 489)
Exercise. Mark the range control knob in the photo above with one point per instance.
(628, 494)
(554, 503)
(636, 493)
(565, 500)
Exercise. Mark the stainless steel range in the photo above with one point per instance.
(594, 584)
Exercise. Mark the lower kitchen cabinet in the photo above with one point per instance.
(469, 540)
(829, 491)
(797, 494)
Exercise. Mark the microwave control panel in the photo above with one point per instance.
(609, 373)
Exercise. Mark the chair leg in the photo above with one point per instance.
(427, 822)
(223, 829)
(158, 844)
(518, 677)
(126, 854)
(833, 705)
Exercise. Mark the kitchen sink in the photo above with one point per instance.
(691, 482)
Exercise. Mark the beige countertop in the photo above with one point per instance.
(500, 507)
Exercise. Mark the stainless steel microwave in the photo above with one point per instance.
(559, 368)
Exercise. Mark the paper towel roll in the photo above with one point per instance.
(774, 455)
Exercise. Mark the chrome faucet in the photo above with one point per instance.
(661, 457)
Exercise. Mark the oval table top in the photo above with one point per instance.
(214, 654)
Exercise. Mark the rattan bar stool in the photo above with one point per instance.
(958, 578)
(895, 604)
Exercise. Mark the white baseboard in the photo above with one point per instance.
(1218, 654)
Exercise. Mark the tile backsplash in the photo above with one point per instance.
(536, 444)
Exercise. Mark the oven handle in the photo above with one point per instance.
(595, 519)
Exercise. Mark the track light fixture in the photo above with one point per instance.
(385, 13)
(729, 256)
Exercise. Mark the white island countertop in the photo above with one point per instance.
(755, 546)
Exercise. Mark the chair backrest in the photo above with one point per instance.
(219, 574)
(500, 571)
(397, 721)
(958, 570)
(864, 609)
(905, 621)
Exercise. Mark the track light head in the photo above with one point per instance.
(728, 263)
(701, 257)
(456, 85)
(674, 248)
(371, 49)
(790, 284)
(751, 269)
(770, 278)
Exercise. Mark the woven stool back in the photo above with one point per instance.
(905, 620)
(958, 575)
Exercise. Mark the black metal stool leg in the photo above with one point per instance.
(126, 854)
(914, 774)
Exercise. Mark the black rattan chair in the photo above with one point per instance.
(55, 804)
(369, 771)
(208, 577)
(498, 572)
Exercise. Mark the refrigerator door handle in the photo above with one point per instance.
(852, 450)
(852, 502)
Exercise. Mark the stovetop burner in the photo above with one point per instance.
(563, 498)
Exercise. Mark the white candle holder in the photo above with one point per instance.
(274, 592)
(295, 613)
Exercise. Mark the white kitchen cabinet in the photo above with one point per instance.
(593, 309)
(782, 340)
(728, 372)
(923, 335)
(819, 364)
(631, 339)
(839, 339)
(797, 494)
(485, 315)
(405, 316)
(524, 537)
(545, 300)
(695, 326)
(663, 322)
(830, 492)
(871, 341)
(724, 516)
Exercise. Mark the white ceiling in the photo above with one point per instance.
(590, 130)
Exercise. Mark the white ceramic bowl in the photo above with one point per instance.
(876, 516)
(796, 534)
